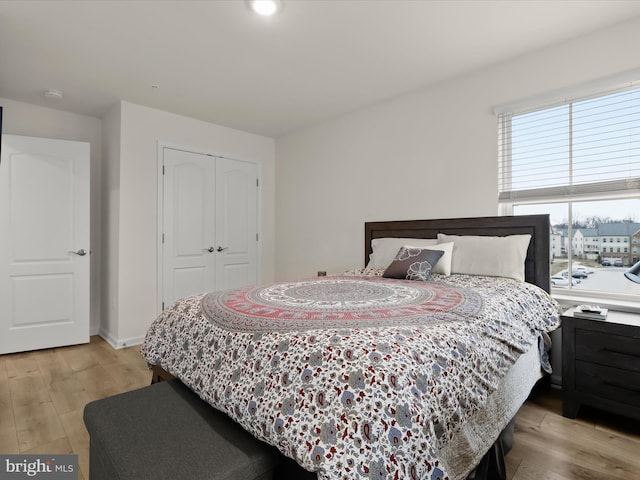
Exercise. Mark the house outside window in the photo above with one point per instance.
(579, 161)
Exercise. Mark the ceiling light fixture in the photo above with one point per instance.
(265, 8)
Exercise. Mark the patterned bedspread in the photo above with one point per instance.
(354, 376)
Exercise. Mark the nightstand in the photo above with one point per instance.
(601, 363)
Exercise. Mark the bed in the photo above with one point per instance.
(363, 376)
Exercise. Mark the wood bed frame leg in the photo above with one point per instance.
(492, 466)
(158, 374)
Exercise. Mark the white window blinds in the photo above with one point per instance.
(571, 150)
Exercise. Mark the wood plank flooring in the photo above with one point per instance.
(596, 445)
(43, 394)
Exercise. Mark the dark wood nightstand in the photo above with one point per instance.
(601, 363)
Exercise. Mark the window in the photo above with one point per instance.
(579, 161)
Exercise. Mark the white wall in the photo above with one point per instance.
(29, 120)
(429, 154)
(110, 222)
(132, 306)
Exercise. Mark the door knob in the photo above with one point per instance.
(210, 249)
(82, 252)
(221, 248)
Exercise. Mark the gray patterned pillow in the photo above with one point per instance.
(413, 263)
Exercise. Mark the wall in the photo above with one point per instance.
(133, 303)
(110, 222)
(29, 120)
(428, 154)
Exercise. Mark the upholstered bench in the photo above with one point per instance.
(165, 431)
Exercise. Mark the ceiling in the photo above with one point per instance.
(317, 59)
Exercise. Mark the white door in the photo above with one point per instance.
(209, 217)
(189, 230)
(236, 224)
(44, 243)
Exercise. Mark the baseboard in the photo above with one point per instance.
(120, 343)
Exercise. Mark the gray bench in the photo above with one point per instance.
(165, 431)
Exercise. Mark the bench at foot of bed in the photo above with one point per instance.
(165, 431)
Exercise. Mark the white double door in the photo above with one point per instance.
(44, 243)
(210, 224)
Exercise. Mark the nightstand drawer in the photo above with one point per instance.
(608, 382)
(608, 349)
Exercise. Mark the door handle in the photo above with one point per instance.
(221, 248)
(82, 252)
(210, 249)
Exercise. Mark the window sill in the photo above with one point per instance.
(571, 298)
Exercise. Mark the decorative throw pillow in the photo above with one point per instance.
(413, 263)
(384, 250)
(444, 264)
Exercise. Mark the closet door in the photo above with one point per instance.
(236, 223)
(209, 218)
(189, 230)
(44, 243)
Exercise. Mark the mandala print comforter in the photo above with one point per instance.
(354, 376)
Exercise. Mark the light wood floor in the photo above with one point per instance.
(595, 446)
(43, 393)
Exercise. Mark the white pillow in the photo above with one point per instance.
(384, 250)
(443, 266)
(484, 255)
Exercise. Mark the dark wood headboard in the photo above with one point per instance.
(536, 263)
